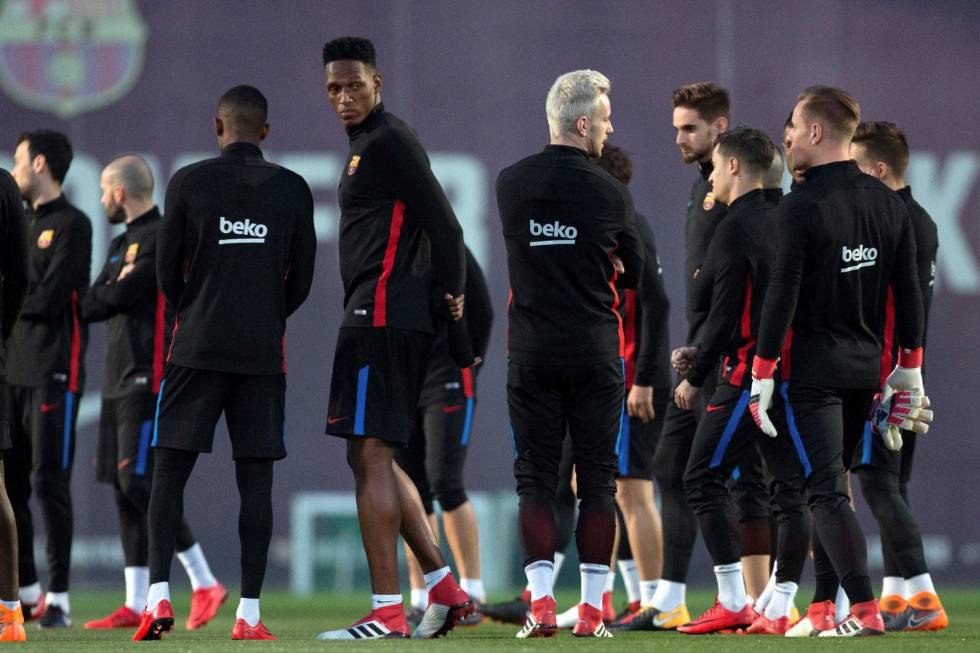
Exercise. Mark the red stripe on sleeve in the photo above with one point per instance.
(619, 318)
(76, 345)
(381, 291)
(738, 375)
(159, 334)
(887, 361)
(629, 332)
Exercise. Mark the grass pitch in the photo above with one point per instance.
(297, 621)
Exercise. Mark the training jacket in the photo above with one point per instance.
(13, 260)
(235, 254)
(704, 215)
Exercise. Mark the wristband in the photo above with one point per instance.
(763, 368)
(910, 358)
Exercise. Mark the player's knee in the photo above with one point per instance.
(451, 497)
(527, 488)
(51, 484)
(596, 483)
(135, 488)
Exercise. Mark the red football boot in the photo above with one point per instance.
(718, 618)
(541, 620)
(608, 610)
(591, 622)
(448, 604)
(384, 623)
(123, 617)
(632, 608)
(205, 602)
(864, 621)
(763, 625)
(819, 617)
(155, 622)
(243, 631)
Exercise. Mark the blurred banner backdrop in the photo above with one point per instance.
(471, 77)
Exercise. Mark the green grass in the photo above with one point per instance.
(296, 621)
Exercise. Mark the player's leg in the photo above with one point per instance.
(594, 399)
(18, 461)
(411, 459)
(750, 491)
(53, 437)
(11, 613)
(724, 436)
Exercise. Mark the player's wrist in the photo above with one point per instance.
(910, 358)
(764, 368)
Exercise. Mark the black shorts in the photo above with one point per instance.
(867, 449)
(191, 401)
(4, 418)
(546, 402)
(41, 427)
(125, 433)
(751, 485)
(436, 454)
(378, 374)
(639, 440)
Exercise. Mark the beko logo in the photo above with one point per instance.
(861, 256)
(252, 232)
(558, 233)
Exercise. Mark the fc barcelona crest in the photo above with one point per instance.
(70, 56)
(709, 201)
(44, 240)
(354, 162)
(131, 252)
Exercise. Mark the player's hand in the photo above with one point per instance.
(617, 264)
(124, 272)
(682, 358)
(639, 403)
(907, 375)
(760, 399)
(685, 395)
(454, 305)
(907, 410)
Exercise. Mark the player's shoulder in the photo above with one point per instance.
(76, 217)
(393, 130)
(192, 170)
(7, 183)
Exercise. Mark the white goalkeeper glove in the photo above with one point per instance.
(907, 410)
(760, 397)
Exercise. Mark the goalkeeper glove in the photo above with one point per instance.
(760, 399)
(904, 410)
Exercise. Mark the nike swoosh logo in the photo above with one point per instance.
(47, 408)
(451, 409)
(122, 463)
(915, 623)
(712, 409)
(334, 420)
(657, 621)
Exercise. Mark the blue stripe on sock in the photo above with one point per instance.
(468, 422)
(146, 428)
(362, 383)
(726, 435)
(793, 431)
(156, 416)
(866, 453)
(66, 436)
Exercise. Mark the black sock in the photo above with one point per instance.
(254, 477)
(171, 469)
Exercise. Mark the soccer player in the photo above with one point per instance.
(570, 232)
(908, 597)
(403, 266)
(234, 259)
(139, 324)
(13, 286)
(844, 238)
(46, 370)
(645, 313)
(736, 274)
(436, 454)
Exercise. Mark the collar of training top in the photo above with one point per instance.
(56, 204)
(835, 170)
(905, 192)
(773, 194)
(566, 150)
(146, 217)
(751, 197)
(241, 148)
(705, 168)
(370, 121)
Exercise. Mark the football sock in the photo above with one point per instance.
(248, 609)
(842, 605)
(420, 598)
(474, 587)
(559, 561)
(669, 595)
(610, 580)
(254, 476)
(731, 586)
(137, 585)
(893, 586)
(536, 517)
(782, 600)
(10, 605)
(196, 566)
(631, 578)
(918, 584)
(596, 526)
(433, 578)
(647, 590)
(540, 578)
(59, 599)
(384, 600)
(30, 594)
(763, 600)
(593, 583)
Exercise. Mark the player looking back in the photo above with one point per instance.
(844, 238)
(235, 256)
(403, 267)
(564, 221)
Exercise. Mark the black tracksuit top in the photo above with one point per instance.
(736, 274)
(645, 312)
(13, 260)
(48, 341)
(843, 239)
(401, 247)
(235, 254)
(704, 215)
(140, 322)
(562, 217)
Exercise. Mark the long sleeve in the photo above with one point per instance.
(170, 244)
(68, 270)
(787, 275)
(630, 249)
(654, 310)
(299, 278)
(909, 311)
(93, 309)
(727, 255)
(13, 258)
(479, 308)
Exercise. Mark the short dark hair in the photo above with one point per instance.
(616, 162)
(354, 48)
(707, 98)
(885, 142)
(245, 108)
(751, 147)
(55, 148)
(835, 108)
(789, 121)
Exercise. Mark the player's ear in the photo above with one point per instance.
(582, 126)
(378, 82)
(38, 163)
(219, 126)
(882, 169)
(816, 133)
(264, 132)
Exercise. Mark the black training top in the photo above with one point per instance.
(844, 238)
(139, 320)
(737, 269)
(48, 341)
(13, 260)
(444, 379)
(401, 246)
(562, 218)
(645, 313)
(704, 215)
(235, 256)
